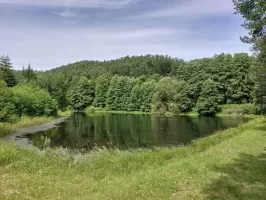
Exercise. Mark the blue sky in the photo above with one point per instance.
(51, 33)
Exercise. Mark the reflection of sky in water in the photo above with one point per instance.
(83, 131)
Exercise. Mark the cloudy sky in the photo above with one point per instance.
(50, 33)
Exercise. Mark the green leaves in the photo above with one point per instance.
(101, 90)
(7, 108)
(255, 22)
(163, 98)
(209, 100)
(6, 73)
(82, 95)
(33, 101)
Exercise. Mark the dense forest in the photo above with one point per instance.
(140, 83)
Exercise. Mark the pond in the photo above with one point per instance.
(124, 131)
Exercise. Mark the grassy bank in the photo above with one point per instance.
(91, 110)
(227, 165)
(247, 110)
(7, 128)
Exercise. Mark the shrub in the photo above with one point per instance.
(33, 101)
(7, 108)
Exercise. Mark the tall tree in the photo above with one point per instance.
(6, 72)
(29, 74)
(7, 108)
(255, 22)
(208, 102)
(101, 89)
(57, 86)
(82, 95)
(163, 98)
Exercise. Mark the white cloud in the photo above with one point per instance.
(191, 8)
(65, 13)
(74, 3)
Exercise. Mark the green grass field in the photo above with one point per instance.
(228, 165)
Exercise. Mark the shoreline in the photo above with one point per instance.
(12, 137)
(190, 114)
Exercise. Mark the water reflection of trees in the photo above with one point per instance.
(129, 131)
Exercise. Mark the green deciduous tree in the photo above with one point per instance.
(57, 86)
(208, 102)
(240, 84)
(101, 90)
(82, 95)
(183, 97)
(147, 90)
(33, 101)
(111, 94)
(255, 22)
(163, 98)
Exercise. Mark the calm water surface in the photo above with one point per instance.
(123, 131)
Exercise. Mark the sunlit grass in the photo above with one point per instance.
(195, 171)
(239, 109)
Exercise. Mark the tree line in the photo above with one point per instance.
(165, 85)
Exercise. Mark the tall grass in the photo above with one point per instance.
(136, 159)
(239, 109)
(161, 173)
(24, 121)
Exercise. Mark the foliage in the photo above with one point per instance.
(208, 102)
(6, 73)
(110, 102)
(82, 95)
(29, 74)
(240, 84)
(134, 66)
(33, 101)
(145, 83)
(101, 90)
(163, 98)
(255, 22)
(7, 108)
(57, 85)
(254, 13)
(238, 109)
(141, 96)
(260, 90)
(183, 98)
(119, 94)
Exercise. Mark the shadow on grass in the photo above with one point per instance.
(245, 179)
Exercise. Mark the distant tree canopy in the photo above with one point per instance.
(29, 74)
(134, 66)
